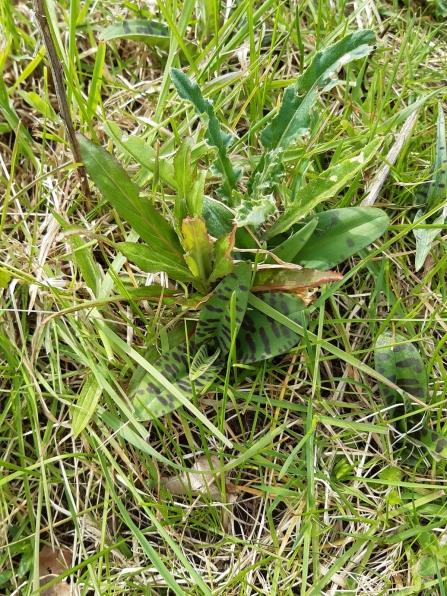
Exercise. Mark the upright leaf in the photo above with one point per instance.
(293, 117)
(215, 137)
(223, 263)
(432, 193)
(199, 247)
(123, 194)
(328, 184)
(85, 405)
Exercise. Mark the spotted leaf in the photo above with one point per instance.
(400, 362)
(202, 362)
(261, 337)
(215, 318)
(152, 400)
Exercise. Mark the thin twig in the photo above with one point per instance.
(57, 69)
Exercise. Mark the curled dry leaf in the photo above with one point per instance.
(51, 564)
(201, 484)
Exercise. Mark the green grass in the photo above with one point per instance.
(325, 504)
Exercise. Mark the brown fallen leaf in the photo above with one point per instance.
(201, 484)
(51, 564)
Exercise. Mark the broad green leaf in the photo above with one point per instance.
(84, 260)
(85, 405)
(152, 400)
(215, 318)
(290, 248)
(184, 175)
(202, 362)
(327, 185)
(215, 137)
(142, 152)
(219, 221)
(39, 104)
(294, 114)
(199, 247)
(292, 281)
(339, 234)
(152, 33)
(123, 194)
(223, 263)
(153, 262)
(261, 337)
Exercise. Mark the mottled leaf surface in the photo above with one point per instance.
(289, 249)
(152, 400)
(202, 362)
(292, 280)
(215, 318)
(150, 32)
(261, 337)
(400, 362)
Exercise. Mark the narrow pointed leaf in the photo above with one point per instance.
(142, 152)
(424, 238)
(123, 194)
(85, 405)
(183, 173)
(339, 234)
(261, 337)
(199, 247)
(154, 261)
(223, 263)
(215, 319)
(215, 137)
(327, 185)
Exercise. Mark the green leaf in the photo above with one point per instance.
(261, 337)
(199, 247)
(39, 104)
(339, 234)
(215, 319)
(223, 263)
(294, 114)
(142, 152)
(215, 137)
(84, 260)
(85, 405)
(123, 194)
(292, 281)
(152, 33)
(398, 360)
(424, 238)
(255, 209)
(327, 185)
(152, 400)
(5, 278)
(432, 193)
(194, 199)
(202, 362)
(290, 248)
(5, 577)
(219, 221)
(184, 175)
(153, 262)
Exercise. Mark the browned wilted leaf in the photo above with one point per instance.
(51, 564)
(201, 484)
